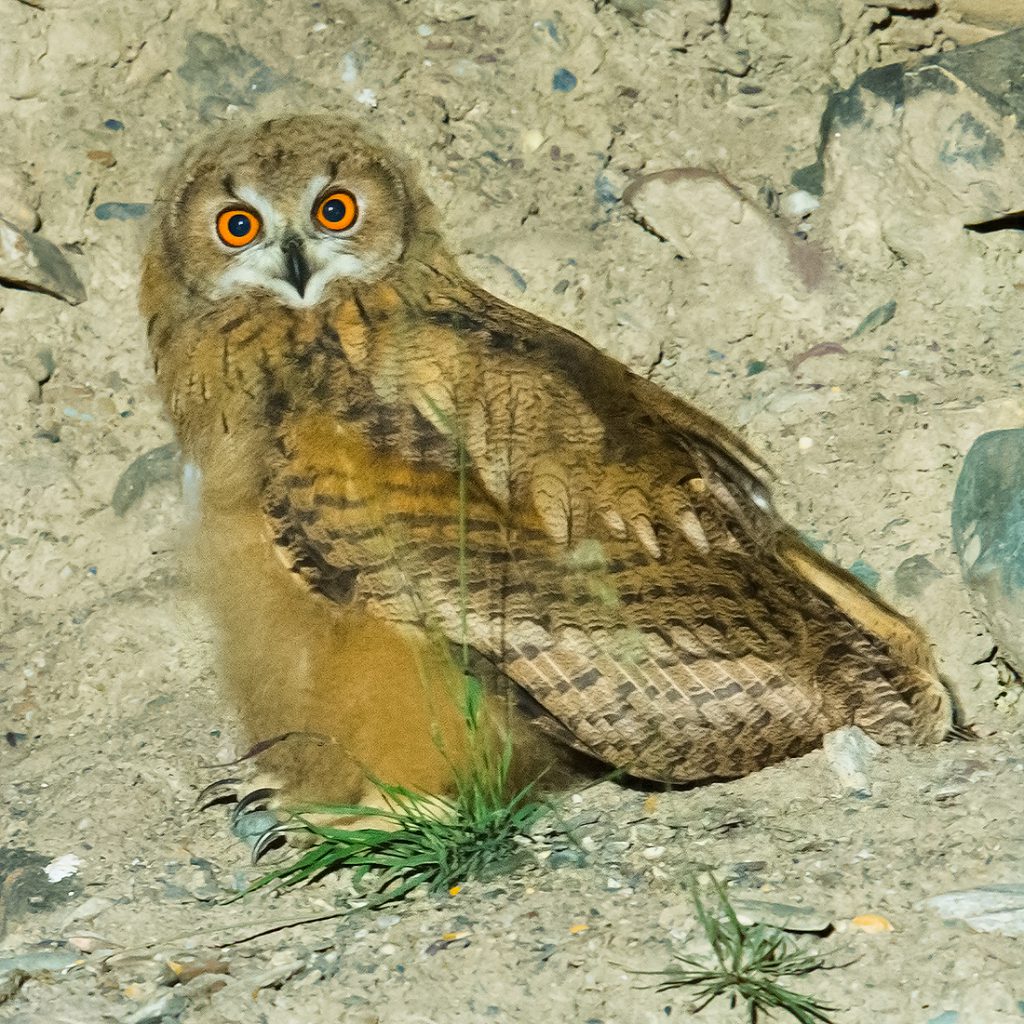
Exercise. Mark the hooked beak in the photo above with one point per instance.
(295, 266)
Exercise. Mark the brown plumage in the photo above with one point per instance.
(396, 466)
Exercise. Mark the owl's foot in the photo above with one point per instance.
(257, 809)
(264, 815)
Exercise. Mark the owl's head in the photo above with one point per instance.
(288, 207)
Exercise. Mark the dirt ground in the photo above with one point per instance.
(530, 122)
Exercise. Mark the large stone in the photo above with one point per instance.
(705, 217)
(988, 534)
(910, 155)
(31, 262)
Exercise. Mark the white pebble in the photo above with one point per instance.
(654, 853)
(349, 68)
(532, 140)
(63, 867)
(805, 443)
(799, 203)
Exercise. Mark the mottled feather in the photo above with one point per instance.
(425, 456)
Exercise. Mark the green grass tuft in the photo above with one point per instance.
(746, 965)
(434, 842)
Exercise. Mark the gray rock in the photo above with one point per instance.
(167, 1006)
(879, 316)
(567, 859)
(224, 75)
(988, 535)
(908, 156)
(33, 263)
(39, 963)
(914, 575)
(849, 752)
(121, 211)
(154, 466)
(780, 915)
(705, 217)
(988, 908)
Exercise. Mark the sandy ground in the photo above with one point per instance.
(530, 122)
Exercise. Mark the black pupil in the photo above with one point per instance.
(334, 210)
(240, 224)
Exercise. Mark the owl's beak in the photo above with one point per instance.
(295, 265)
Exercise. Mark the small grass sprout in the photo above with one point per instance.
(745, 965)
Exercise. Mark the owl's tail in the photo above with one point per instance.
(906, 643)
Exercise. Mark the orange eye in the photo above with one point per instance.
(237, 227)
(337, 211)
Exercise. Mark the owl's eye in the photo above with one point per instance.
(237, 227)
(337, 211)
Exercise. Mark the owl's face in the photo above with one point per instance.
(287, 208)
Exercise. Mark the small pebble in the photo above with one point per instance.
(873, 924)
(799, 203)
(169, 1004)
(563, 81)
(805, 443)
(532, 140)
(89, 943)
(866, 573)
(103, 157)
(349, 69)
(87, 911)
(878, 317)
(654, 853)
(63, 867)
(849, 752)
(121, 211)
(567, 859)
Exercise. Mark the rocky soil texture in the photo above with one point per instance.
(751, 205)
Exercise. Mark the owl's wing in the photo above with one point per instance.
(548, 419)
(692, 660)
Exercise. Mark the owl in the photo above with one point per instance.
(403, 482)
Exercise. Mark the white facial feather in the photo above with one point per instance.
(330, 257)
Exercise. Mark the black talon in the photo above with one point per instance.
(250, 801)
(266, 840)
(202, 801)
(961, 732)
